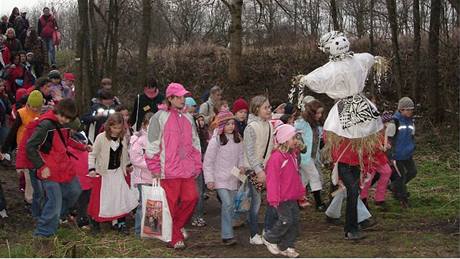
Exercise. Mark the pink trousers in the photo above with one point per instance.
(385, 173)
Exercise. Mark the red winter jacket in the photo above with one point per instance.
(45, 148)
(14, 73)
(47, 25)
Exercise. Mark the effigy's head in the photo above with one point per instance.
(334, 43)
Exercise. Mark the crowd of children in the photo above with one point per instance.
(92, 169)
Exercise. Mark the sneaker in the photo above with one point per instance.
(321, 208)
(256, 240)
(290, 252)
(184, 233)
(180, 245)
(82, 222)
(123, 229)
(354, 236)
(367, 224)
(272, 248)
(114, 225)
(229, 241)
(3, 214)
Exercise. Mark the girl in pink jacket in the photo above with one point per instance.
(141, 174)
(173, 154)
(284, 188)
(224, 152)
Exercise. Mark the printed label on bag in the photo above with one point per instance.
(153, 218)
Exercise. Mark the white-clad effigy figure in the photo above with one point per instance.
(343, 78)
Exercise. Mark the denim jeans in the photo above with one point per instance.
(51, 50)
(226, 218)
(59, 198)
(271, 216)
(286, 229)
(3, 134)
(37, 196)
(254, 210)
(408, 172)
(350, 177)
(199, 209)
(138, 218)
(82, 206)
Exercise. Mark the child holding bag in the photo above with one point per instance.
(141, 174)
(111, 198)
(225, 151)
(284, 188)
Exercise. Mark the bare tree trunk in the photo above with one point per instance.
(114, 46)
(360, 18)
(391, 7)
(144, 42)
(371, 40)
(95, 72)
(295, 20)
(335, 16)
(436, 110)
(456, 5)
(417, 43)
(83, 88)
(236, 46)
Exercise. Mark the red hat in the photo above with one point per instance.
(240, 104)
(69, 76)
(21, 92)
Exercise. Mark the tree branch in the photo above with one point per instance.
(227, 4)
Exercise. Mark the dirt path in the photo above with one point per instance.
(394, 236)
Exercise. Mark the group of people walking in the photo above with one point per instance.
(91, 167)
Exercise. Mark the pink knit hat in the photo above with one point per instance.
(284, 133)
(223, 117)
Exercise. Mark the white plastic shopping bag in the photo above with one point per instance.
(156, 218)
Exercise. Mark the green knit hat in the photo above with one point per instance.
(35, 99)
(75, 124)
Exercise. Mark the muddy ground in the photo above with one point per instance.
(430, 228)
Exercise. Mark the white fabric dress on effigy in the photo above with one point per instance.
(353, 115)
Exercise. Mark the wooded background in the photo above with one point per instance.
(257, 46)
